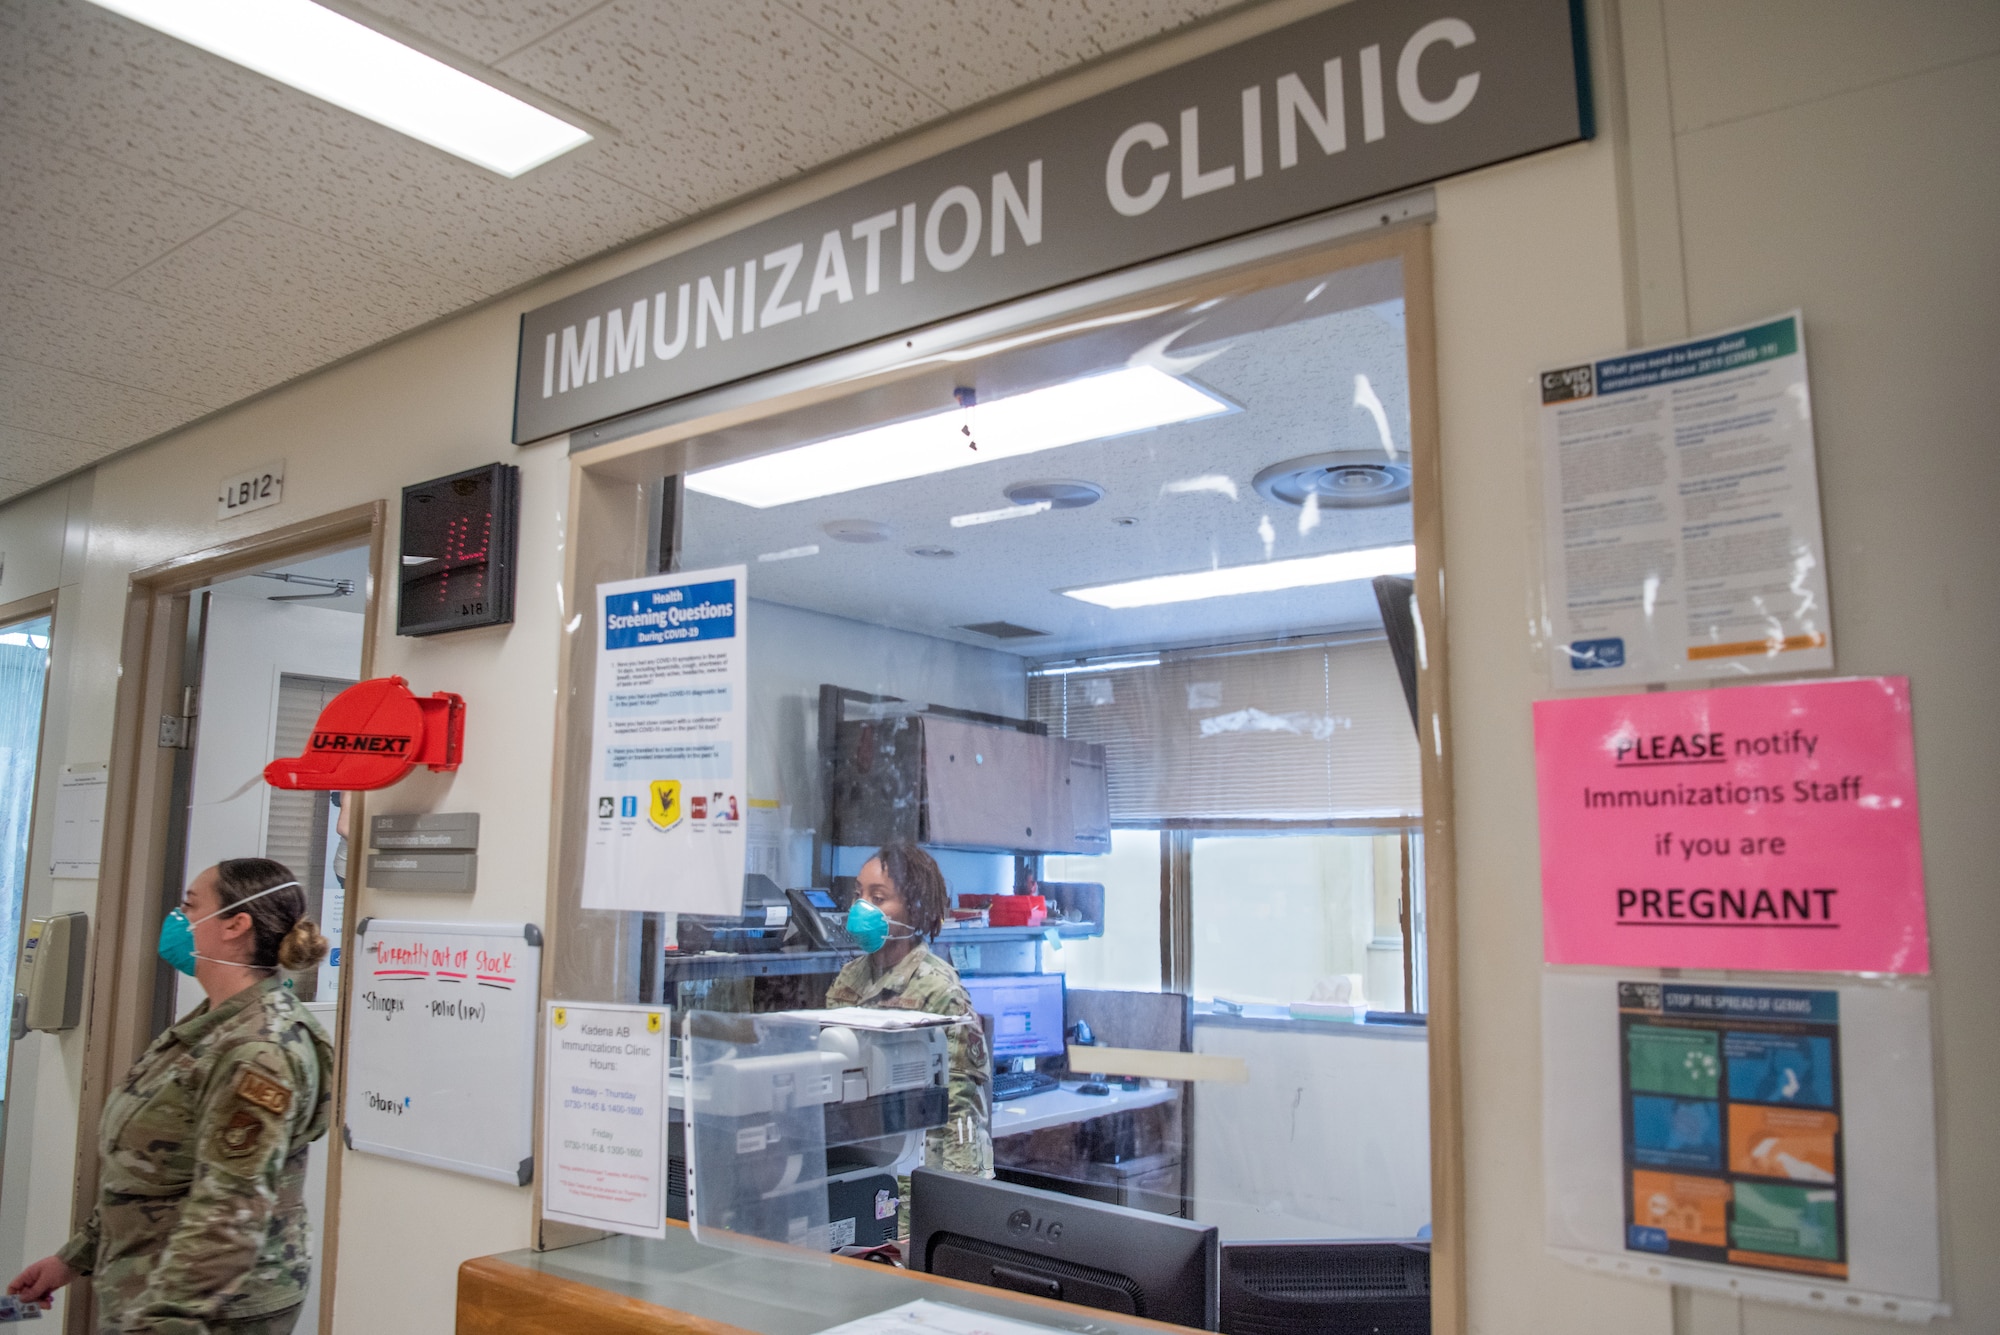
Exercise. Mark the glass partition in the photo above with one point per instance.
(1074, 715)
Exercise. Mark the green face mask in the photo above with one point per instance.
(177, 933)
(871, 927)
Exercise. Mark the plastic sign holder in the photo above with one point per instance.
(371, 735)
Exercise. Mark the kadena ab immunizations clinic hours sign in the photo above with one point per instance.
(668, 802)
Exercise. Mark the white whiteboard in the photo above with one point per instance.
(441, 1045)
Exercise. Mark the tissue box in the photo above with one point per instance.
(1329, 1010)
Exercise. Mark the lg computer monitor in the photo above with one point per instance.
(1026, 1010)
(1075, 1251)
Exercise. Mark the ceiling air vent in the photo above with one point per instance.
(1058, 494)
(1342, 479)
(1002, 630)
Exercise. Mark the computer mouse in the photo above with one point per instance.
(1092, 1087)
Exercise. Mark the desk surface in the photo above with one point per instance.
(1053, 1107)
(676, 1286)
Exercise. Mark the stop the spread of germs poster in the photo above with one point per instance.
(1731, 1108)
(667, 745)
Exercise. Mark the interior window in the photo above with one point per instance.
(1113, 624)
(1127, 955)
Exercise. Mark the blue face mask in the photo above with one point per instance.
(870, 926)
(177, 933)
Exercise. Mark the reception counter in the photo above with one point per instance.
(676, 1286)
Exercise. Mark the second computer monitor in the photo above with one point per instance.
(1026, 1010)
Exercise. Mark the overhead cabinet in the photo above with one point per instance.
(952, 782)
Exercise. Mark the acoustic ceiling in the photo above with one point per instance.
(178, 233)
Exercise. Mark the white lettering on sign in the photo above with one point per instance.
(1295, 105)
(954, 225)
(249, 491)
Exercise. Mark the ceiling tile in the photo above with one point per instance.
(115, 337)
(81, 408)
(30, 458)
(963, 51)
(178, 232)
(485, 30)
(69, 212)
(157, 105)
(717, 97)
(308, 299)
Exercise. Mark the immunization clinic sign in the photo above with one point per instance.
(1363, 100)
(1755, 827)
(667, 798)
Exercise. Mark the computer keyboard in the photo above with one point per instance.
(1019, 1084)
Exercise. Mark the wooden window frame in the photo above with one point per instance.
(612, 519)
(131, 890)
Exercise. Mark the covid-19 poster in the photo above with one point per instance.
(1681, 513)
(668, 804)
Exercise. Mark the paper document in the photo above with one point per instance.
(883, 1021)
(928, 1318)
(1681, 513)
(79, 834)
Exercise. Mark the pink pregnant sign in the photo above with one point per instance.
(1754, 827)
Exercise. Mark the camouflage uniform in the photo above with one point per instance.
(923, 982)
(200, 1222)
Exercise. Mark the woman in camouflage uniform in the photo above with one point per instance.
(904, 883)
(200, 1223)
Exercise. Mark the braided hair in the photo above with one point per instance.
(917, 879)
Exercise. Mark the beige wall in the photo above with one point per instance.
(1832, 157)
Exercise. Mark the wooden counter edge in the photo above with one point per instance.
(497, 1297)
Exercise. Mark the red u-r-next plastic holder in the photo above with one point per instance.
(372, 734)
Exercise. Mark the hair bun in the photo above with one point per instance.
(303, 946)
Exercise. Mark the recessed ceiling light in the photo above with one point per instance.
(1263, 577)
(1117, 665)
(337, 60)
(790, 553)
(1113, 403)
(856, 530)
(995, 516)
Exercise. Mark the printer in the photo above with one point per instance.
(872, 1081)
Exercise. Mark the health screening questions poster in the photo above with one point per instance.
(1753, 827)
(1680, 513)
(667, 799)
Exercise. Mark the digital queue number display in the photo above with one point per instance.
(459, 543)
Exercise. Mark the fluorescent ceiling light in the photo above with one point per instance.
(1264, 577)
(1007, 512)
(351, 65)
(791, 553)
(1073, 668)
(1109, 404)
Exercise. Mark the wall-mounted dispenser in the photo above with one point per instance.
(49, 989)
